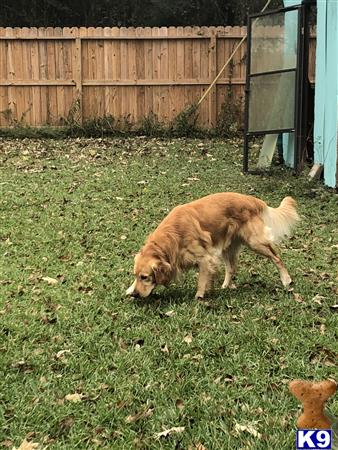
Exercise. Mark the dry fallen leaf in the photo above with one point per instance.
(218, 379)
(179, 404)
(164, 348)
(74, 397)
(61, 353)
(64, 426)
(122, 345)
(170, 313)
(324, 356)
(197, 446)
(27, 445)
(249, 429)
(228, 379)
(324, 276)
(140, 415)
(298, 297)
(318, 299)
(188, 339)
(169, 431)
(51, 281)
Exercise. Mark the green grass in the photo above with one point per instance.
(77, 211)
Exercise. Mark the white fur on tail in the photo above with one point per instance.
(280, 221)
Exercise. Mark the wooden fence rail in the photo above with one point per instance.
(50, 74)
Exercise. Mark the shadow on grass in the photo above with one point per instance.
(167, 296)
(218, 297)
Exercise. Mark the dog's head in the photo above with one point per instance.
(149, 272)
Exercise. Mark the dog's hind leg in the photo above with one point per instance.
(230, 256)
(255, 235)
(267, 249)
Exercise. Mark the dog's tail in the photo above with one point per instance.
(280, 221)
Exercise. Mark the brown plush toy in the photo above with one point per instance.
(313, 397)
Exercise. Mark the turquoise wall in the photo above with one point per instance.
(326, 93)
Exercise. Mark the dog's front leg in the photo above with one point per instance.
(204, 278)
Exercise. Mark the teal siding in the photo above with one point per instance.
(320, 83)
(326, 94)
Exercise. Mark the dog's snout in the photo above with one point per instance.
(131, 289)
(139, 289)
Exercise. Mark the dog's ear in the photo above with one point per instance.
(136, 257)
(162, 272)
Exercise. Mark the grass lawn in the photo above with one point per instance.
(82, 366)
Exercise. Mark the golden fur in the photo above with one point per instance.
(200, 232)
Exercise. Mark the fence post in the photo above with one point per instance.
(213, 73)
(78, 76)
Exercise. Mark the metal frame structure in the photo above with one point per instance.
(301, 88)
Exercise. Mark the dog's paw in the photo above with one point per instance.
(199, 296)
(286, 281)
(229, 286)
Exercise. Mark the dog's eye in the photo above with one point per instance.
(144, 277)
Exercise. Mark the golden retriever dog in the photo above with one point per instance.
(201, 232)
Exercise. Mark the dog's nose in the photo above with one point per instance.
(135, 294)
(131, 289)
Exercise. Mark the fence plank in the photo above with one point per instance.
(83, 33)
(60, 73)
(156, 70)
(77, 68)
(172, 74)
(140, 74)
(213, 73)
(52, 112)
(116, 93)
(12, 104)
(35, 100)
(92, 109)
(99, 72)
(3, 75)
(123, 112)
(108, 70)
(148, 72)
(42, 76)
(164, 75)
(132, 92)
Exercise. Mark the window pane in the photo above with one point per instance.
(274, 42)
(272, 102)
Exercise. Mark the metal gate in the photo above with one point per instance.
(277, 78)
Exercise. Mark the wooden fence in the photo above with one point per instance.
(50, 74)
